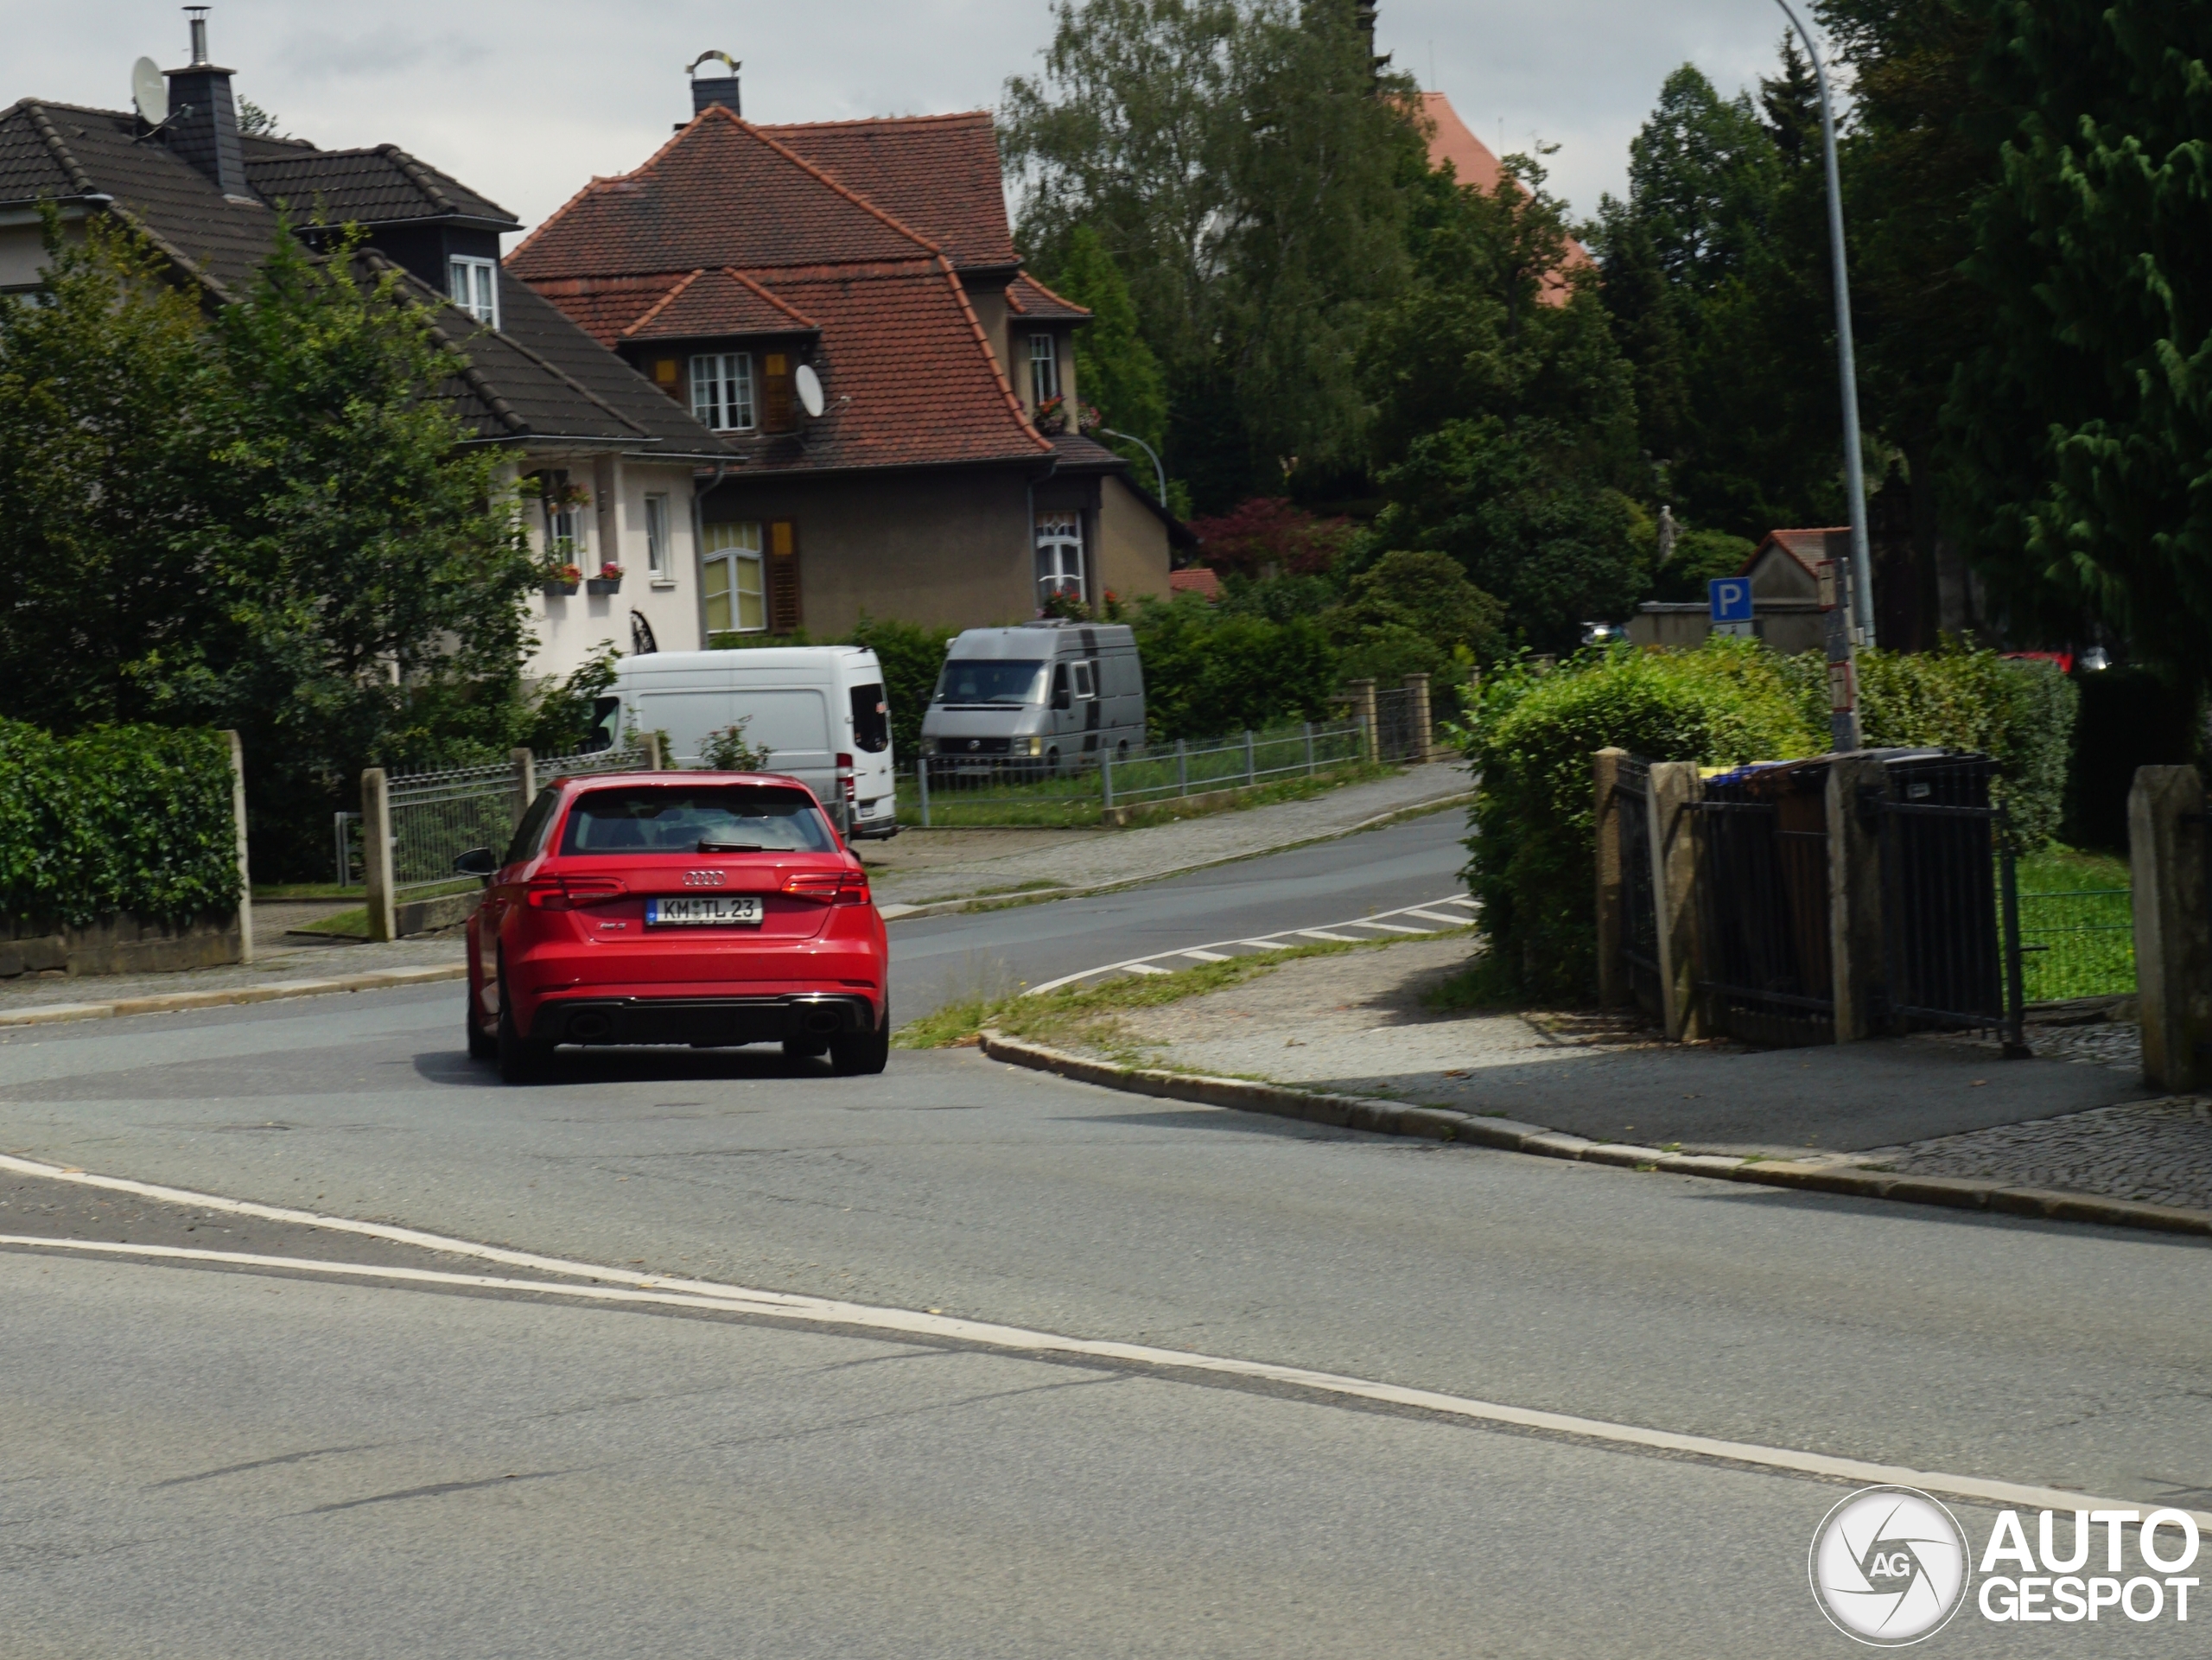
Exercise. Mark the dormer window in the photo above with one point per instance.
(721, 390)
(474, 285)
(1044, 369)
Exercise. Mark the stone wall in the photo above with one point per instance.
(124, 943)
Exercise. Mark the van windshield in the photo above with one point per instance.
(970, 680)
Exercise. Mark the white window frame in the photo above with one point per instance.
(722, 395)
(657, 566)
(734, 569)
(474, 285)
(1044, 369)
(1059, 557)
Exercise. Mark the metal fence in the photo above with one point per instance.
(1640, 931)
(436, 816)
(1399, 731)
(937, 791)
(2079, 942)
(1763, 888)
(1950, 903)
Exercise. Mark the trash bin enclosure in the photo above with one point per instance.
(1763, 875)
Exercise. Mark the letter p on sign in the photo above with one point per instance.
(1732, 598)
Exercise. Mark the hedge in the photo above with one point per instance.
(132, 818)
(1530, 736)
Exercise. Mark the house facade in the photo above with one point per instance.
(610, 462)
(843, 305)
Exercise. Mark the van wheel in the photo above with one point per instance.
(1122, 751)
(1052, 763)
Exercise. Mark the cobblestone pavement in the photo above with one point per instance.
(1162, 849)
(2157, 1151)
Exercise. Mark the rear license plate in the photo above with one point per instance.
(723, 911)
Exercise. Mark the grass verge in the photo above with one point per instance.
(1076, 802)
(1089, 1017)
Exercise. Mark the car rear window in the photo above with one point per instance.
(676, 818)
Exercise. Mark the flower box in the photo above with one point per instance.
(603, 585)
(560, 587)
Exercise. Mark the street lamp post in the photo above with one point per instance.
(1843, 669)
(1158, 471)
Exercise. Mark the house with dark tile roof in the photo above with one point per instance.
(842, 302)
(615, 458)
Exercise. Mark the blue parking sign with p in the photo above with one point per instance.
(1732, 598)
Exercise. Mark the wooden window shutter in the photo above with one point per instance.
(776, 392)
(784, 616)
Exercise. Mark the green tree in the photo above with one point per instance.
(1240, 162)
(1114, 369)
(268, 523)
(2086, 418)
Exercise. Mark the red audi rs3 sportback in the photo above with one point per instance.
(699, 908)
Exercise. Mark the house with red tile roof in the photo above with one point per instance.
(1476, 166)
(842, 304)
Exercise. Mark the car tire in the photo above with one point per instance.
(482, 1045)
(805, 1049)
(522, 1060)
(857, 1054)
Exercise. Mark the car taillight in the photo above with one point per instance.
(569, 893)
(831, 887)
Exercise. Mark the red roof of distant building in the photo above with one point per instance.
(728, 230)
(1475, 164)
(939, 173)
(1196, 580)
(1808, 547)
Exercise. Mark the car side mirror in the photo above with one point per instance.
(477, 861)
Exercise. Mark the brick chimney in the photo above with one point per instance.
(709, 90)
(203, 127)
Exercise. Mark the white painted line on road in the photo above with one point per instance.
(823, 1311)
(1208, 957)
(1282, 941)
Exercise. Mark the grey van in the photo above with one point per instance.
(1047, 695)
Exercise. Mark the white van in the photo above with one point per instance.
(1047, 695)
(819, 711)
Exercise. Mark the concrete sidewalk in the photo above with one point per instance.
(908, 871)
(2077, 1117)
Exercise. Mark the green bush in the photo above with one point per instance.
(2019, 711)
(118, 818)
(1209, 672)
(1530, 736)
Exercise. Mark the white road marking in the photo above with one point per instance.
(1211, 951)
(823, 1311)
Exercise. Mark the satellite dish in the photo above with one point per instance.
(808, 384)
(149, 92)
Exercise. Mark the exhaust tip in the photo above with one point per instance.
(589, 1028)
(822, 1023)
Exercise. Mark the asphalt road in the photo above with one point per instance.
(206, 1460)
(940, 959)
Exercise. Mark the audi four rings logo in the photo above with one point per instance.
(705, 878)
(1889, 1566)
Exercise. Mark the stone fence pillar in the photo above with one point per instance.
(237, 823)
(376, 854)
(1857, 968)
(1613, 919)
(525, 781)
(2166, 838)
(1674, 786)
(1422, 721)
(1363, 711)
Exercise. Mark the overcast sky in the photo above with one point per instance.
(526, 99)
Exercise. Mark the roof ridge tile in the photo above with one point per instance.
(662, 303)
(984, 345)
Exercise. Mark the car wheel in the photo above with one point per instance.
(805, 1049)
(854, 1054)
(522, 1060)
(482, 1045)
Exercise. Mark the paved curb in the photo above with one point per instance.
(1443, 1125)
(897, 912)
(268, 992)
